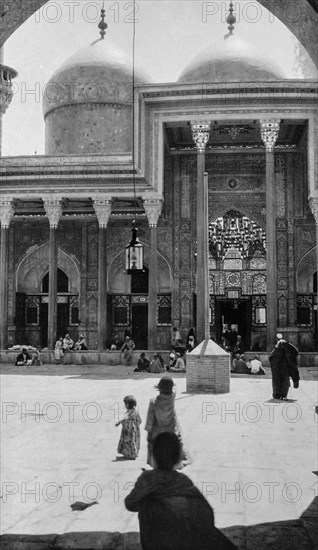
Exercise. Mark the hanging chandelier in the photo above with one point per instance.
(235, 234)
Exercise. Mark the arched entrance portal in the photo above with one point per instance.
(128, 298)
(32, 297)
(307, 302)
(237, 273)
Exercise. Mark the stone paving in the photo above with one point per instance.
(255, 459)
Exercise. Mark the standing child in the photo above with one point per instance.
(129, 443)
(161, 415)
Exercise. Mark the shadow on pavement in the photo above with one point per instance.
(298, 534)
(105, 372)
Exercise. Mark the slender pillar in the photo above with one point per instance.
(6, 213)
(269, 133)
(153, 207)
(53, 210)
(313, 201)
(200, 132)
(52, 313)
(102, 207)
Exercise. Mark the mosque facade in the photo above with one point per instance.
(233, 121)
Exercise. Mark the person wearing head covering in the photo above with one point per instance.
(161, 416)
(172, 512)
(68, 343)
(179, 365)
(129, 442)
(156, 364)
(23, 358)
(128, 349)
(283, 362)
(81, 343)
(191, 340)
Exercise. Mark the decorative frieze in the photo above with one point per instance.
(200, 134)
(103, 209)
(269, 132)
(53, 209)
(6, 212)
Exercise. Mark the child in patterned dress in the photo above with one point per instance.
(129, 442)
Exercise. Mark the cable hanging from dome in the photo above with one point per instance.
(134, 250)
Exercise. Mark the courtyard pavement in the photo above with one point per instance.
(255, 459)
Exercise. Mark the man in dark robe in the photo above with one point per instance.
(283, 362)
(173, 514)
(24, 358)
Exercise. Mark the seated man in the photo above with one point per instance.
(68, 343)
(81, 344)
(256, 366)
(156, 364)
(128, 349)
(173, 514)
(242, 367)
(235, 360)
(143, 363)
(36, 358)
(179, 365)
(23, 358)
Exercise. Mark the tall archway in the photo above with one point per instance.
(237, 275)
(32, 281)
(307, 301)
(128, 300)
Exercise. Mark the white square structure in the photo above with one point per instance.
(208, 368)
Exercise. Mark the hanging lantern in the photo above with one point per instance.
(134, 254)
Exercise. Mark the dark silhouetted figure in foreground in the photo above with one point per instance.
(283, 362)
(173, 514)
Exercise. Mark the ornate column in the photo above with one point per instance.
(200, 133)
(313, 202)
(153, 207)
(103, 207)
(269, 133)
(53, 209)
(6, 213)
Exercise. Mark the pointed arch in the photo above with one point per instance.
(34, 266)
(306, 269)
(119, 283)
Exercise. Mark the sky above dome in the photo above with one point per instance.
(169, 33)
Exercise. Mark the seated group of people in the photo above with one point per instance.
(176, 363)
(254, 366)
(29, 359)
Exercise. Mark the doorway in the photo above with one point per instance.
(139, 322)
(236, 313)
(62, 319)
(44, 310)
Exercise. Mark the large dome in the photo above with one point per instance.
(234, 60)
(87, 102)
